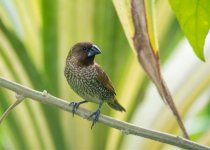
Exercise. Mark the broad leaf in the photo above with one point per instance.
(194, 19)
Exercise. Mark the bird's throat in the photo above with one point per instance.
(87, 61)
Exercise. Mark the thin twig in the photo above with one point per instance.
(124, 127)
(5, 114)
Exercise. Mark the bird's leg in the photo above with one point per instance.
(76, 105)
(96, 114)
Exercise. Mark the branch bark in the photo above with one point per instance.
(124, 127)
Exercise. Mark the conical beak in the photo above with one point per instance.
(94, 51)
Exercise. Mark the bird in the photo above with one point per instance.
(89, 80)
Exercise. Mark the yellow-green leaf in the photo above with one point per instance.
(151, 24)
(194, 19)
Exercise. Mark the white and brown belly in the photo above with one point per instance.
(84, 82)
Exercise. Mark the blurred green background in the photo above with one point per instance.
(35, 37)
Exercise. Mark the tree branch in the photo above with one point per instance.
(124, 127)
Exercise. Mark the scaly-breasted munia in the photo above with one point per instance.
(88, 79)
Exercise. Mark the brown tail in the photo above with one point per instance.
(115, 105)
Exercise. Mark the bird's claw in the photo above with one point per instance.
(75, 106)
(95, 116)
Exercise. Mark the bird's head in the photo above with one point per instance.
(84, 53)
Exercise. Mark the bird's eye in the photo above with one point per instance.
(84, 48)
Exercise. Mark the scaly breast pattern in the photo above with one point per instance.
(83, 81)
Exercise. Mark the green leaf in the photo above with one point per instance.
(194, 19)
(22, 53)
(50, 49)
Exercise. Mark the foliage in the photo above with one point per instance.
(194, 19)
(35, 37)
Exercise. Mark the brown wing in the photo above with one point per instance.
(104, 79)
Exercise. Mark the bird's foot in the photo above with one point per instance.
(95, 117)
(76, 106)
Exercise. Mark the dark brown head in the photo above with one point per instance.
(84, 53)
